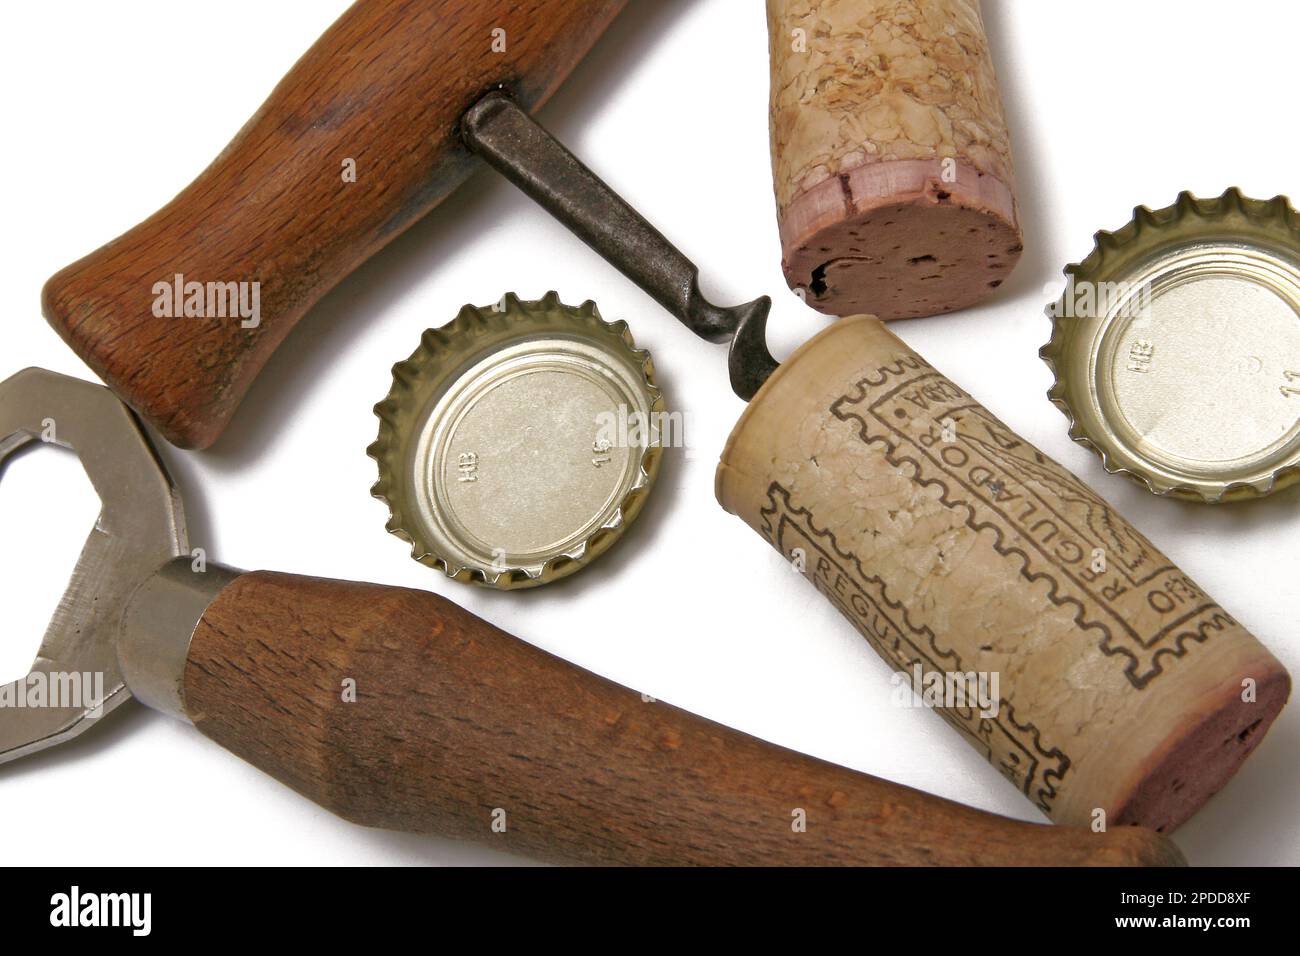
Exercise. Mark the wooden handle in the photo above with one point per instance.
(894, 181)
(379, 95)
(459, 729)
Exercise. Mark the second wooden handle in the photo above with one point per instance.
(398, 709)
(357, 142)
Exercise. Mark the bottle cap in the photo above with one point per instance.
(518, 441)
(1176, 348)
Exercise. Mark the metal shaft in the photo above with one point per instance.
(515, 145)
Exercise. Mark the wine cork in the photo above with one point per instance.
(957, 548)
(895, 188)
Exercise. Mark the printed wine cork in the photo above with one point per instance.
(957, 549)
(894, 182)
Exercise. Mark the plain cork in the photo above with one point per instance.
(1127, 695)
(895, 187)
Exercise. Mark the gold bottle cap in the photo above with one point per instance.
(518, 441)
(1176, 348)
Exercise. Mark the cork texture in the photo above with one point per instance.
(891, 159)
(954, 545)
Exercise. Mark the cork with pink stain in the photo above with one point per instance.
(895, 186)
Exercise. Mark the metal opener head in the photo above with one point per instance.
(140, 528)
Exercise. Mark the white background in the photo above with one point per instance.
(111, 109)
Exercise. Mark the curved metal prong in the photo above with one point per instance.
(749, 363)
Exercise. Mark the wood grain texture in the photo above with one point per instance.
(890, 154)
(455, 719)
(384, 86)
